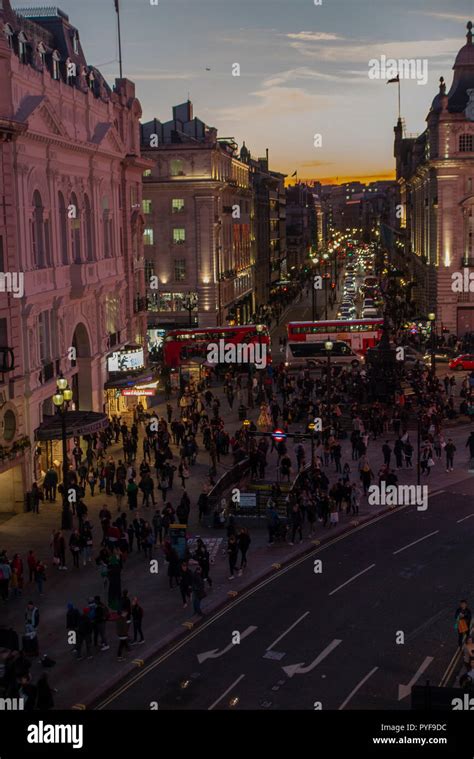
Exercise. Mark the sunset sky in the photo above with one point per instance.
(304, 70)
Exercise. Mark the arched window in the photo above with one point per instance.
(89, 229)
(23, 47)
(55, 64)
(39, 253)
(74, 216)
(8, 31)
(63, 229)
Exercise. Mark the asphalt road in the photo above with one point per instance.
(340, 625)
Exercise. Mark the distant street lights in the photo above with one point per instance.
(432, 320)
(329, 345)
(61, 400)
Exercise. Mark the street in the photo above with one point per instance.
(336, 631)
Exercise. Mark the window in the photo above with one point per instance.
(147, 173)
(8, 31)
(149, 269)
(63, 229)
(177, 167)
(2, 259)
(23, 48)
(42, 54)
(39, 253)
(146, 205)
(177, 205)
(107, 233)
(180, 270)
(55, 64)
(75, 219)
(75, 42)
(89, 229)
(148, 236)
(9, 425)
(44, 336)
(466, 142)
(179, 236)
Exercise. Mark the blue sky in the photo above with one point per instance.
(303, 70)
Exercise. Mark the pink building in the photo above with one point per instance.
(71, 259)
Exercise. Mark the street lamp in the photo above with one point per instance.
(329, 345)
(311, 428)
(62, 399)
(325, 257)
(190, 303)
(432, 320)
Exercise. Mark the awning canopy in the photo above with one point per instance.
(77, 423)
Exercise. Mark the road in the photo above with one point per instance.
(329, 638)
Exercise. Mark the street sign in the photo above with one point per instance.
(278, 435)
(248, 500)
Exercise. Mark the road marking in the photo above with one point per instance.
(455, 661)
(226, 692)
(287, 631)
(405, 690)
(243, 597)
(79, 707)
(351, 579)
(425, 537)
(300, 669)
(215, 653)
(464, 518)
(358, 687)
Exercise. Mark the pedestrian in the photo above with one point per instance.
(31, 561)
(296, 521)
(137, 618)
(450, 450)
(75, 545)
(468, 652)
(198, 592)
(84, 634)
(183, 472)
(5, 577)
(185, 583)
(463, 617)
(122, 634)
(201, 555)
(387, 453)
(232, 553)
(102, 614)
(243, 541)
(40, 576)
(36, 497)
(157, 523)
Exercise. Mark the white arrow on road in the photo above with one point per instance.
(215, 653)
(300, 669)
(405, 690)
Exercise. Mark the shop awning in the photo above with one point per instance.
(77, 423)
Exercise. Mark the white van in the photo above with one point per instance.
(308, 355)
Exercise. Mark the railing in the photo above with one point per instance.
(231, 477)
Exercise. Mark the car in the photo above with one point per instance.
(311, 355)
(442, 355)
(369, 313)
(463, 363)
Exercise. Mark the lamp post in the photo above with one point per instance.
(432, 320)
(190, 303)
(246, 425)
(315, 262)
(61, 400)
(311, 428)
(329, 345)
(325, 257)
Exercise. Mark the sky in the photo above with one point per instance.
(304, 71)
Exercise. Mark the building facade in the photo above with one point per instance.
(301, 225)
(197, 203)
(435, 172)
(70, 184)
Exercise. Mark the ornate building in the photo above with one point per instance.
(197, 204)
(435, 172)
(71, 230)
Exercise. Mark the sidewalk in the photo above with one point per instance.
(164, 620)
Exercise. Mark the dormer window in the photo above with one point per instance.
(23, 48)
(71, 71)
(91, 80)
(8, 31)
(75, 43)
(55, 59)
(41, 53)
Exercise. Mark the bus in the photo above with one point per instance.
(190, 345)
(358, 334)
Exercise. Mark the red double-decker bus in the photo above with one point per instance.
(359, 334)
(186, 345)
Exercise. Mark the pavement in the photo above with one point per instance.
(165, 620)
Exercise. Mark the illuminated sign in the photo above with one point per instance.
(136, 391)
(126, 361)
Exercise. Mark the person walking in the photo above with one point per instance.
(198, 592)
(201, 555)
(75, 545)
(296, 521)
(40, 576)
(232, 553)
(463, 618)
(101, 616)
(387, 453)
(84, 634)
(137, 619)
(243, 541)
(185, 583)
(122, 634)
(450, 450)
